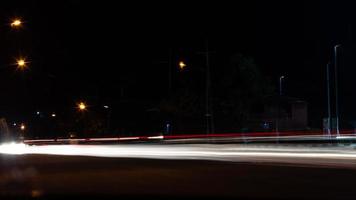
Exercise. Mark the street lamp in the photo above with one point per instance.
(82, 106)
(182, 65)
(16, 23)
(21, 64)
(328, 95)
(279, 102)
(22, 127)
(108, 111)
(336, 89)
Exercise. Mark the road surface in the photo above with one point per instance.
(224, 171)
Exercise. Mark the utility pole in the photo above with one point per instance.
(208, 100)
(279, 102)
(170, 71)
(280, 85)
(328, 93)
(108, 118)
(336, 90)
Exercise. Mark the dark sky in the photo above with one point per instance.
(81, 50)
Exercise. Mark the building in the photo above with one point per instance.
(280, 113)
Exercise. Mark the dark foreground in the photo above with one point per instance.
(118, 178)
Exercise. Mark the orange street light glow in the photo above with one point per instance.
(21, 63)
(23, 127)
(82, 106)
(182, 65)
(16, 23)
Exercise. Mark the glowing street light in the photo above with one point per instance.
(21, 63)
(16, 23)
(22, 127)
(82, 106)
(182, 65)
(53, 115)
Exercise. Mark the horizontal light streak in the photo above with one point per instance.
(331, 156)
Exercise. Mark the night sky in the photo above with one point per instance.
(81, 50)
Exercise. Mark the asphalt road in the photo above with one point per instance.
(180, 171)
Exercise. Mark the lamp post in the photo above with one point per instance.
(22, 129)
(328, 93)
(108, 117)
(280, 85)
(336, 89)
(279, 102)
(82, 108)
(208, 98)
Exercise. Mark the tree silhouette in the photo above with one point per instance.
(241, 90)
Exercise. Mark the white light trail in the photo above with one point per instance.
(304, 155)
(13, 148)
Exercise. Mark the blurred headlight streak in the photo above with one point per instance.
(328, 156)
(13, 148)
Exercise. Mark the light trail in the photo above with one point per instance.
(233, 137)
(302, 155)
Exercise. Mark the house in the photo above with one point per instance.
(280, 113)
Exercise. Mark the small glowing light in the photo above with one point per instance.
(21, 63)
(14, 124)
(82, 106)
(106, 107)
(16, 23)
(182, 65)
(38, 113)
(22, 127)
(53, 115)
